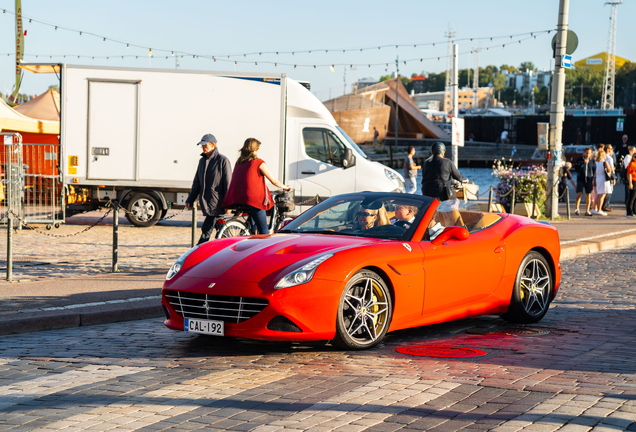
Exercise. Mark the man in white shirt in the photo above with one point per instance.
(404, 216)
(504, 138)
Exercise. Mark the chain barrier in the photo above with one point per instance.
(24, 223)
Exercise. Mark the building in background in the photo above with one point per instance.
(597, 62)
(418, 83)
(364, 82)
(358, 117)
(465, 97)
(524, 82)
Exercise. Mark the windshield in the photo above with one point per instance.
(373, 215)
(350, 141)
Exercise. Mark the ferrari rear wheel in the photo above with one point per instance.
(532, 292)
(364, 312)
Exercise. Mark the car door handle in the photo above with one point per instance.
(499, 249)
(308, 172)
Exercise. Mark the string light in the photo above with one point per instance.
(150, 52)
(127, 45)
(332, 68)
(104, 40)
(80, 34)
(55, 28)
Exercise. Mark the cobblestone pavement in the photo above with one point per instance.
(140, 376)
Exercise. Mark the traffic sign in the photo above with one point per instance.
(566, 61)
(571, 44)
(457, 132)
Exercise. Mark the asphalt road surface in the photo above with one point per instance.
(575, 370)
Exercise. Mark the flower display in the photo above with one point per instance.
(524, 180)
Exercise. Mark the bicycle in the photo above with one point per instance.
(238, 223)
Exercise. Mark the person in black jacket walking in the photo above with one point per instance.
(438, 174)
(210, 184)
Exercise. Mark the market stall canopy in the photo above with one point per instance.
(11, 120)
(44, 107)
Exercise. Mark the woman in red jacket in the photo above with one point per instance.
(247, 187)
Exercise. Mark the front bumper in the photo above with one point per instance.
(312, 307)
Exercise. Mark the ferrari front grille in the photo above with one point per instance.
(229, 309)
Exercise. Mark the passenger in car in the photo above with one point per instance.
(404, 216)
(435, 228)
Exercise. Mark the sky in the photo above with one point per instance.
(214, 28)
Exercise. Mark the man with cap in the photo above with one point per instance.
(210, 184)
(438, 174)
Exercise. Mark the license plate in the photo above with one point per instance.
(208, 327)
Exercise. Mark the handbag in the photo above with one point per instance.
(609, 175)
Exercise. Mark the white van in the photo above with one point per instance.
(131, 134)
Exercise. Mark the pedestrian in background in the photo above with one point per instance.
(631, 185)
(438, 174)
(601, 183)
(622, 149)
(564, 176)
(585, 173)
(376, 134)
(611, 160)
(624, 164)
(210, 184)
(410, 171)
(248, 188)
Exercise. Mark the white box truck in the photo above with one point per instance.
(131, 134)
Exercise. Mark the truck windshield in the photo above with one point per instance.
(350, 141)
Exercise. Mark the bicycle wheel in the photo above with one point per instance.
(233, 228)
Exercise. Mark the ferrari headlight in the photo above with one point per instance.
(303, 274)
(179, 263)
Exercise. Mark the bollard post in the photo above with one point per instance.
(9, 247)
(534, 200)
(567, 200)
(514, 199)
(115, 235)
(490, 200)
(194, 224)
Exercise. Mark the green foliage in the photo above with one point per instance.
(592, 82)
(527, 65)
(385, 78)
(524, 181)
(499, 81)
(541, 96)
(54, 87)
(509, 69)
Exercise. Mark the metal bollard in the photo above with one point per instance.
(490, 200)
(9, 247)
(194, 224)
(514, 199)
(534, 200)
(115, 235)
(567, 200)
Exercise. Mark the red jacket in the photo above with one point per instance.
(248, 187)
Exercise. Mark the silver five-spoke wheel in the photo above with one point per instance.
(533, 289)
(364, 312)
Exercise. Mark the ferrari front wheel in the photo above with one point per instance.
(532, 291)
(364, 312)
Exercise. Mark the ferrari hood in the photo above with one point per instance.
(263, 258)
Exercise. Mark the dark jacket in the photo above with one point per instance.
(217, 182)
(585, 171)
(437, 175)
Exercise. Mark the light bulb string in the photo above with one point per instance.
(271, 62)
(233, 57)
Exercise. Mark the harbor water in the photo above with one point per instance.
(480, 176)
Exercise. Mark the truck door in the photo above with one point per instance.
(320, 170)
(112, 130)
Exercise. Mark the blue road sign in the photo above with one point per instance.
(566, 61)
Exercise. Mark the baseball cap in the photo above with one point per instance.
(207, 138)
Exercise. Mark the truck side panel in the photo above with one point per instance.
(174, 110)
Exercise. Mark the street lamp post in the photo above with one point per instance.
(557, 112)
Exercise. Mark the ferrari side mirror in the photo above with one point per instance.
(451, 233)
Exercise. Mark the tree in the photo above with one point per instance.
(499, 81)
(527, 65)
(509, 69)
(54, 87)
(385, 78)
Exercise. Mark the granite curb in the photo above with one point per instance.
(51, 320)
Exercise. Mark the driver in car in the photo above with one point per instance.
(371, 215)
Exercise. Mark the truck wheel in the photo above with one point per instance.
(143, 210)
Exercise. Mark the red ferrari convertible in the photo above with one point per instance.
(357, 266)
